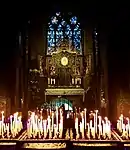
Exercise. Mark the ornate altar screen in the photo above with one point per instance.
(64, 67)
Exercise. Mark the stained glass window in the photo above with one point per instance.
(60, 29)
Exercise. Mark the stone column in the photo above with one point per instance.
(88, 51)
(25, 71)
(104, 65)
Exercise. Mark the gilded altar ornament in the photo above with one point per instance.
(64, 61)
(94, 144)
(45, 145)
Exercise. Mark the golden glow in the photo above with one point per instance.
(45, 145)
(94, 144)
(64, 61)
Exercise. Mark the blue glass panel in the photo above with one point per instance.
(59, 34)
(59, 27)
(70, 35)
(77, 37)
(68, 32)
(54, 20)
(73, 20)
(68, 27)
(63, 22)
(51, 40)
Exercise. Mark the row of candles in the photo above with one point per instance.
(11, 127)
(96, 127)
(123, 126)
(52, 127)
(39, 127)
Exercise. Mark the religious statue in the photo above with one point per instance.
(52, 73)
(86, 71)
(78, 71)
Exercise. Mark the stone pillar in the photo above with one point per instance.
(103, 57)
(25, 71)
(88, 51)
(85, 42)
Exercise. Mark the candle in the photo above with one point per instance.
(67, 134)
(104, 129)
(118, 124)
(123, 128)
(129, 126)
(2, 124)
(49, 123)
(108, 128)
(71, 134)
(96, 111)
(55, 130)
(60, 113)
(88, 130)
(72, 80)
(0, 127)
(45, 131)
(100, 131)
(90, 124)
(77, 128)
(57, 117)
(82, 125)
(60, 128)
(52, 121)
(7, 128)
(85, 110)
(122, 120)
(126, 131)
(94, 122)
(93, 132)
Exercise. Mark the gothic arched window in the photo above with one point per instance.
(60, 28)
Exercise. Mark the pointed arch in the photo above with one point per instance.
(60, 28)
